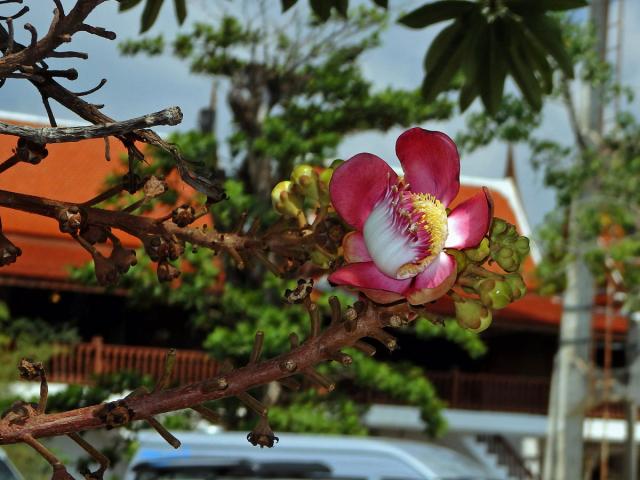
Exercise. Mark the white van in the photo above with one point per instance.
(228, 456)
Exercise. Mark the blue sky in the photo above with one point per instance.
(140, 85)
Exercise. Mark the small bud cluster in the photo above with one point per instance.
(308, 186)
(508, 248)
(489, 290)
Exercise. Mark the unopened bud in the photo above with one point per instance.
(285, 200)
(473, 316)
(494, 294)
(306, 179)
(517, 285)
(479, 253)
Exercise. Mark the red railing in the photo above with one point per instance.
(472, 391)
(82, 362)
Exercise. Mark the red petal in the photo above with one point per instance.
(357, 185)
(430, 162)
(434, 282)
(469, 221)
(366, 275)
(355, 250)
(381, 296)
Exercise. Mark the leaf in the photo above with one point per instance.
(322, 8)
(472, 66)
(181, 10)
(150, 14)
(536, 56)
(547, 32)
(127, 4)
(468, 94)
(287, 4)
(448, 61)
(447, 37)
(524, 77)
(435, 12)
(382, 3)
(542, 6)
(494, 74)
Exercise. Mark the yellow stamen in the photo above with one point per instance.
(433, 219)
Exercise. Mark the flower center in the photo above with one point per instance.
(405, 231)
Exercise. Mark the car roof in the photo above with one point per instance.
(362, 457)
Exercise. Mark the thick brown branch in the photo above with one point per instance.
(168, 116)
(303, 358)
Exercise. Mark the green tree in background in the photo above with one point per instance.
(294, 94)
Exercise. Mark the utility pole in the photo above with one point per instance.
(564, 447)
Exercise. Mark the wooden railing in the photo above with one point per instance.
(82, 362)
(473, 391)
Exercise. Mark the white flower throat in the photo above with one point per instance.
(405, 231)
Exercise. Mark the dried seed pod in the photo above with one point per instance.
(9, 253)
(30, 370)
(183, 215)
(157, 247)
(262, 434)
(154, 187)
(71, 220)
(30, 152)
(114, 414)
(302, 291)
(123, 258)
(166, 271)
(107, 272)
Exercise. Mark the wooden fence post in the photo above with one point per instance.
(98, 343)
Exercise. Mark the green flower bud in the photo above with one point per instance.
(473, 316)
(494, 294)
(479, 253)
(285, 200)
(306, 179)
(522, 246)
(518, 287)
(461, 259)
(498, 226)
(325, 179)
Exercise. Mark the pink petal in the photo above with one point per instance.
(470, 221)
(366, 275)
(381, 296)
(357, 185)
(354, 248)
(430, 162)
(436, 280)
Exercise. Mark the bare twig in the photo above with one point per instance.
(168, 116)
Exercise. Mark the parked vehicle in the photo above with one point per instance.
(226, 456)
(7, 470)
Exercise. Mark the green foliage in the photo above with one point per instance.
(295, 101)
(22, 337)
(488, 41)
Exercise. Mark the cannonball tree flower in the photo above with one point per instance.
(402, 226)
